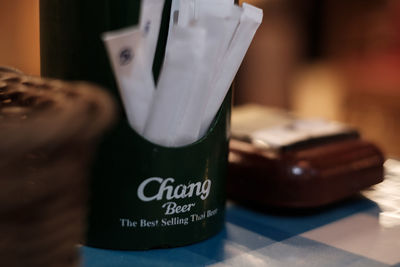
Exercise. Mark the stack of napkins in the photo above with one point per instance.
(207, 42)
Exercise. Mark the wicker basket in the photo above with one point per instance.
(48, 130)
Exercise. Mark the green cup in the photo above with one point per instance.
(143, 195)
(159, 197)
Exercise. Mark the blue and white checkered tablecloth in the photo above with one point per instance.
(362, 232)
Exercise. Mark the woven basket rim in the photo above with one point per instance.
(77, 112)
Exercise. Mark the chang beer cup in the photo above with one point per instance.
(160, 197)
(142, 195)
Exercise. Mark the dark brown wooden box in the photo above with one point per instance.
(307, 176)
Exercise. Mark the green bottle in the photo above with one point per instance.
(143, 195)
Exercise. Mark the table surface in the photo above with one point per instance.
(362, 232)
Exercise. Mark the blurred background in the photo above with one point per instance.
(335, 59)
(19, 35)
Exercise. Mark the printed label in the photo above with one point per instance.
(125, 56)
(168, 191)
(167, 222)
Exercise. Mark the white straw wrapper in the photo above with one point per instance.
(180, 72)
(219, 34)
(220, 26)
(249, 22)
(135, 81)
(186, 12)
(218, 8)
(150, 22)
(174, 16)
